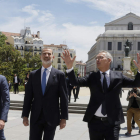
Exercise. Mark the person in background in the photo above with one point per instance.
(133, 109)
(16, 82)
(10, 85)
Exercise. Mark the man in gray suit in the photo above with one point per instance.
(4, 104)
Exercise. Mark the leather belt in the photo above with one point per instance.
(100, 118)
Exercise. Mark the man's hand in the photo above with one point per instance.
(138, 62)
(67, 58)
(25, 121)
(135, 95)
(2, 124)
(131, 94)
(62, 123)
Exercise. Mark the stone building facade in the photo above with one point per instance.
(25, 41)
(81, 68)
(113, 39)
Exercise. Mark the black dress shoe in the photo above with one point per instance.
(74, 100)
(127, 134)
(133, 126)
(139, 131)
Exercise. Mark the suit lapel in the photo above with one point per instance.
(50, 80)
(39, 80)
(98, 77)
(112, 77)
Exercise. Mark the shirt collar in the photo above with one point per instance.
(107, 72)
(49, 68)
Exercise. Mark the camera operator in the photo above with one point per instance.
(133, 109)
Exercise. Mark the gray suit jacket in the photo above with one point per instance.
(132, 98)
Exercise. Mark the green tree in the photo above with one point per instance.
(2, 39)
(65, 68)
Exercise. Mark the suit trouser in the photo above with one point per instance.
(37, 129)
(77, 91)
(2, 137)
(103, 130)
(130, 113)
(16, 88)
(74, 94)
(69, 92)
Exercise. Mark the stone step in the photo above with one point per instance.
(72, 107)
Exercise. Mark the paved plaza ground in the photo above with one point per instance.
(76, 129)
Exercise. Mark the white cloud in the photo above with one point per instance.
(30, 9)
(78, 37)
(46, 16)
(116, 8)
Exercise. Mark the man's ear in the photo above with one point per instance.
(109, 60)
(53, 56)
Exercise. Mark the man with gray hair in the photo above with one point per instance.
(104, 112)
(46, 87)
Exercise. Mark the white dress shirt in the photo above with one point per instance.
(16, 79)
(47, 73)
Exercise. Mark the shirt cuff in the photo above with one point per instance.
(138, 71)
(69, 70)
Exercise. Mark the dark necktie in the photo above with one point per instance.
(44, 81)
(103, 111)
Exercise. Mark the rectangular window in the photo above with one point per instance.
(59, 54)
(119, 45)
(109, 45)
(138, 45)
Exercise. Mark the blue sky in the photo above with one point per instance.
(75, 22)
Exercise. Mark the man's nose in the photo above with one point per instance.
(46, 55)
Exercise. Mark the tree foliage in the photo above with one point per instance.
(133, 67)
(12, 62)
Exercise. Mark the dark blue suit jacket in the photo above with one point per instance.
(113, 104)
(4, 98)
(35, 101)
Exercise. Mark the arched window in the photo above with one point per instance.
(130, 26)
(40, 48)
(35, 48)
(16, 47)
(21, 47)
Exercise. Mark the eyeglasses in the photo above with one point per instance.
(99, 57)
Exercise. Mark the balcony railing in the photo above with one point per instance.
(58, 61)
(59, 68)
(29, 50)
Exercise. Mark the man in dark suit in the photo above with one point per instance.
(45, 88)
(10, 85)
(104, 112)
(69, 87)
(4, 104)
(16, 82)
(77, 88)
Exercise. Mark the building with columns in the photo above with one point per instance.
(113, 39)
(81, 68)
